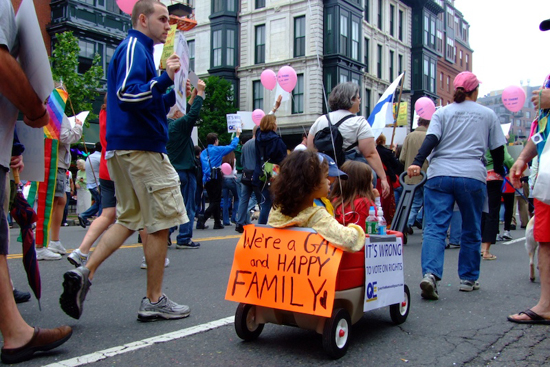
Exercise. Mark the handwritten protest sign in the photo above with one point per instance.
(383, 272)
(233, 122)
(288, 269)
(180, 79)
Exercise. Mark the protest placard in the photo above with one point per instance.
(169, 46)
(233, 122)
(384, 280)
(287, 269)
(246, 119)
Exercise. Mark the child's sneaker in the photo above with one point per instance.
(77, 258)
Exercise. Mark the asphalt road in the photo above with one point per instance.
(459, 329)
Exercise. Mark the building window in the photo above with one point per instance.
(467, 62)
(191, 46)
(354, 40)
(380, 14)
(427, 74)
(432, 76)
(217, 6)
(259, 54)
(379, 63)
(400, 20)
(448, 83)
(299, 36)
(366, 102)
(441, 80)
(217, 48)
(230, 47)
(391, 65)
(231, 5)
(260, 4)
(460, 57)
(257, 95)
(109, 52)
(439, 46)
(298, 95)
(367, 10)
(88, 49)
(343, 34)
(367, 55)
(400, 64)
(450, 50)
(392, 20)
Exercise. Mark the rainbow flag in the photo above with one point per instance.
(56, 109)
(45, 190)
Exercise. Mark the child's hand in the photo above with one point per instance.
(376, 193)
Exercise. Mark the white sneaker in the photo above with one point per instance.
(144, 263)
(57, 247)
(506, 236)
(77, 258)
(45, 254)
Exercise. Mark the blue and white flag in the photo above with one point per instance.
(382, 114)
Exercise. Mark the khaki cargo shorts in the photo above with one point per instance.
(147, 190)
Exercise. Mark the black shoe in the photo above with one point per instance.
(239, 228)
(218, 226)
(200, 222)
(190, 245)
(139, 238)
(410, 230)
(417, 224)
(513, 227)
(83, 222)
(21, 297)
(169, 241)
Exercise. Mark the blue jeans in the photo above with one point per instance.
(265, 205)
(230, 186)
(418, 201)
(243, 216)
(96, 206)
(456, 228)
(440, 195)
(397, 194)
(188, 186)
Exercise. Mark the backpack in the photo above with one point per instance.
(323, 141)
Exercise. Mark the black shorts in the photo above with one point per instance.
(108, 198)
(4, 229)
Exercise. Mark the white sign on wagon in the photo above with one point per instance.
(384, 279)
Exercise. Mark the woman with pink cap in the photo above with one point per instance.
(457, 139)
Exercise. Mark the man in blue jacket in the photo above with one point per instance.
(147, 186)
(211, 160)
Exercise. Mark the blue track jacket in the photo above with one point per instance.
(137, 102)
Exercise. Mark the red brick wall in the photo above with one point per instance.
(43, 12)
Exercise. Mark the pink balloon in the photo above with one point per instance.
(126, 5)
(287, 78)
(268, 79)
(513, 98)
(424, 107)
(226, 169)
(257, 116)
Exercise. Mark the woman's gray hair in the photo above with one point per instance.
(342, 96)
(81, 161)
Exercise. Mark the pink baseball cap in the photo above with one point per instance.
(466, 80)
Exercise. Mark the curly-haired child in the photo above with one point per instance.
(302, 178)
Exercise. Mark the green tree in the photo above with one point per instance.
(83, 89)
(218, 102)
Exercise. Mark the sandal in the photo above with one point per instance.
(489, 257)
(534, 318)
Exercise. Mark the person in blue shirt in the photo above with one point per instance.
(211, 160)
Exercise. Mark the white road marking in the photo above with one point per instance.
(111, 352)
(513, 241)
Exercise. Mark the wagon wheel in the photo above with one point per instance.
(400, 311)
(336, 333)
(245, 322)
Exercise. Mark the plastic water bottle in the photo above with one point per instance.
(381, 222)
(372, 222)
(377, 202)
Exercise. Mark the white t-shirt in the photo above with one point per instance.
(465, 131)
(352, 130)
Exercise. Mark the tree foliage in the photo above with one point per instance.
(219, 101)
(82, 88)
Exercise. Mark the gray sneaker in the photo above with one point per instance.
(75, 288)
(163, 309)
(468, 286)
(77, 258)
(429, 287)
